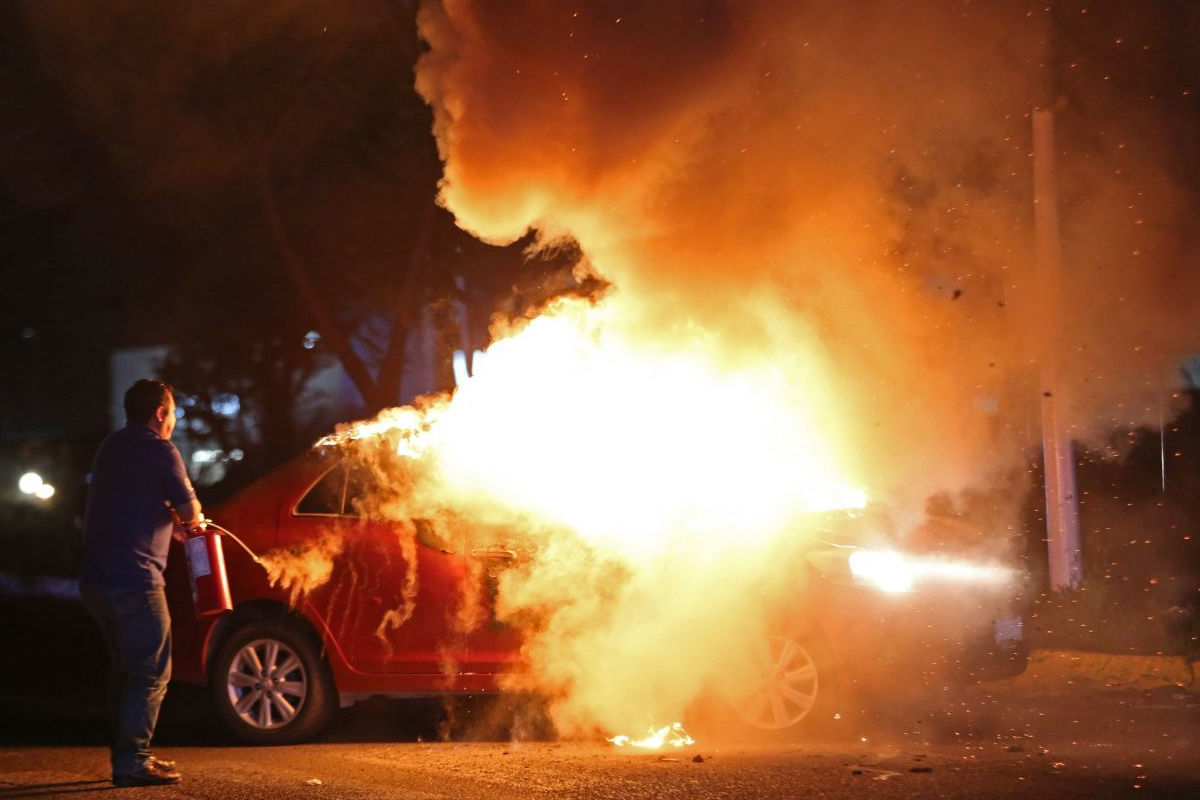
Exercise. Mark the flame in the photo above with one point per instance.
(572, 422)
(648, 472)
(672, 735)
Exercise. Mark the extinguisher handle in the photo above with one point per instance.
(199, 527)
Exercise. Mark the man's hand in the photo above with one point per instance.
(190, 516)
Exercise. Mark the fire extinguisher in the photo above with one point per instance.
(206, 566)
(206, 570)
(205, 557)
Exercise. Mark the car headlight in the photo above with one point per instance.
(885, 569)
(892, 571)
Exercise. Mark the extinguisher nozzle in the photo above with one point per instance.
(253, 555)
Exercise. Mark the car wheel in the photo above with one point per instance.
(271, 685)
(793, 683)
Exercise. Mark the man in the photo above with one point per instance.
(127, 532)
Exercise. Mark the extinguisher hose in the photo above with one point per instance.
(224, 531)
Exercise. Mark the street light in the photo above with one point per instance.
(30, 483)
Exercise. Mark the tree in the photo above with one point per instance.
(225, 179)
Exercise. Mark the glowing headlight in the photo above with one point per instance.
(894, 572)
(887, 569)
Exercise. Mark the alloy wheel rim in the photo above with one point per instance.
(267, 684)
(788, 685)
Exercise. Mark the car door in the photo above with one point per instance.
(388, 600)
(414, 590)
(492, 645)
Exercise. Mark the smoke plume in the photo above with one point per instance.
(300, 571)
(835, 195)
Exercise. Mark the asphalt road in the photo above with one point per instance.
(1095, 765)
(999, 740)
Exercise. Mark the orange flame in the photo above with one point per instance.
(670, 736)
(636, 463)
(573, 423)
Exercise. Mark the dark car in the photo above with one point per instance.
(868, 619)
(348, 618)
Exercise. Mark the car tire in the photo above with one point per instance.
(271, 686)
(796, 687)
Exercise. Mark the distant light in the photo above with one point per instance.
(28, 333)
(227, 405)
(205, 456)
(44, 492)
(310, 340)
(30, 482)
(237, 454)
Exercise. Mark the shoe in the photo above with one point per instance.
(149, 775)
(162, 763)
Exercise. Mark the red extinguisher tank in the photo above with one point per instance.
(206, 568)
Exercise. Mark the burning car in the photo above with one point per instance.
(319, 630)
(353, 605)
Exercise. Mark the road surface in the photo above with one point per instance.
(999, 740)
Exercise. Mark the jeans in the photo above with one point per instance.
(137, 632)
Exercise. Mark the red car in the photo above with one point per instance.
(281, 663)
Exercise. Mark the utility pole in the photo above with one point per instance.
(1062, 501)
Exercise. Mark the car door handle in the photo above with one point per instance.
(494, 554)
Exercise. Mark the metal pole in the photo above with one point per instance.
(1062, 502)
(1162, 428)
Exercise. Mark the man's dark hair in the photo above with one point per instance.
(143, 399)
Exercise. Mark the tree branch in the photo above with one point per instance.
(298, 271)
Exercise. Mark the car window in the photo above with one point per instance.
(358, 486)
(325, 497)
(343, 491)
